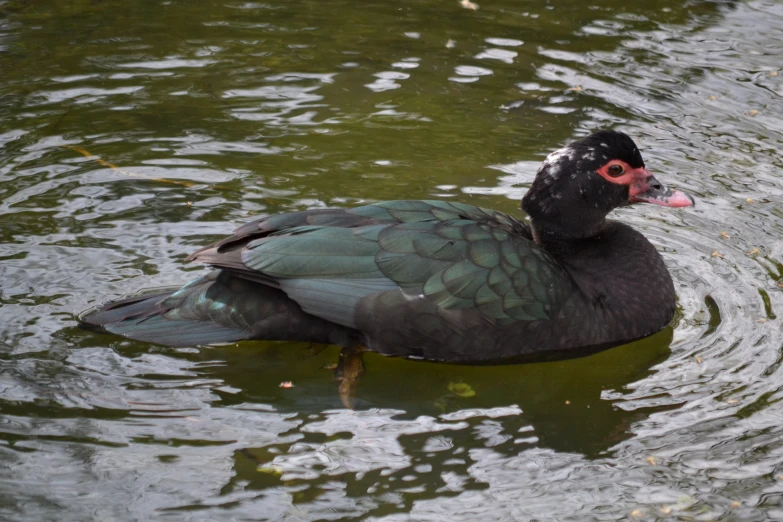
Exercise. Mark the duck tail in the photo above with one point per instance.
(192, 315)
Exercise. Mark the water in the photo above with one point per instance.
(134, 132)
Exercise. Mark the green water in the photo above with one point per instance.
(132, 133)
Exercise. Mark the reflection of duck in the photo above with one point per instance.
(564, 404)
(433, 279)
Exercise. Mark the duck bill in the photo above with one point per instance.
(650, 190)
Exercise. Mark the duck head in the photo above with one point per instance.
(578, 185)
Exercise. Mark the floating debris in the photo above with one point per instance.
(286, 384)
(115, 168)
(578, 88)
(734, 505)
(773, 73)
(636, 513)
(717, 254)
(751, 112)
(750, 200)
(754, 252)
(725, 235)
(714, 98)
(698, 360)
(329, 367)
(467, 4)
(732, 401)
(651, 460)
(271, 469)
(567, 402)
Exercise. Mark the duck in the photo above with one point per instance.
(435, 280)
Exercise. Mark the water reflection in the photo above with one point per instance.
(556, 399)
(411, 437)
(254, 108)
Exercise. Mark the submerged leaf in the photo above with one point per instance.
(461, 389)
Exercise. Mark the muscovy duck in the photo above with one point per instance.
(436, 280)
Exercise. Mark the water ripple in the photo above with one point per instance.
(128, 141)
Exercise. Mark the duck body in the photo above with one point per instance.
(435, 280)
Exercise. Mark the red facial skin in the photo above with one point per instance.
(643, 187)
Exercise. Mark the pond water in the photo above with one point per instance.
(134, 132)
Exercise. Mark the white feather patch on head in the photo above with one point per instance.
(554, 163)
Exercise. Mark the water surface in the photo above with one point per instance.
(134, 132)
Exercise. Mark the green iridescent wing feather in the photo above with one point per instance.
(457, 256)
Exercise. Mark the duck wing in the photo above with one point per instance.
(430, 279)
(415, 277)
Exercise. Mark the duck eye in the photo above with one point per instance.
(616, 170)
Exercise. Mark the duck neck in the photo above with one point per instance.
(584, 253)
(553, 237)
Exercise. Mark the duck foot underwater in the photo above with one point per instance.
(434, 280)
(350, 367)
